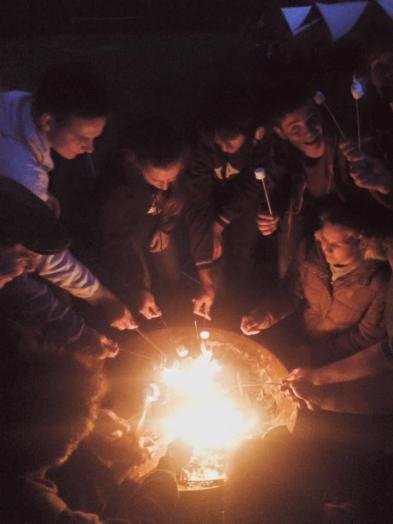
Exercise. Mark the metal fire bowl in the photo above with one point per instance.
(254, 361)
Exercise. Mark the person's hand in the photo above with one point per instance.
(255, 322)
(305, 394)
(100, 347)
(124, 321)
(159, 242)
(300, 374)
(109, 426)
(267, 224)
(116, 313)
(149, 308)
(204, 302)
(299, 384)
(367, 172)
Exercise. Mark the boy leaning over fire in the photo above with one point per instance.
(224, 196)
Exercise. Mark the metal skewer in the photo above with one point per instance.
(152, 344)
(357, 91)
(163, 322)
(196, 330)
(273, 384)
(358, 124)
(130, 352)
(319, 99)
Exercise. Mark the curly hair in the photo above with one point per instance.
(48, 404)
(71, 89)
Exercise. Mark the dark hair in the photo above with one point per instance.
(48, 404)
(154, 141)
(71, 89)
(335, 211)
(289, 97)
(227, 114)
(377, 48)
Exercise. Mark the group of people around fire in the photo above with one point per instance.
(306, 260)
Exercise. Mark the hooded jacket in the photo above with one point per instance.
(24, 154)
(221, 188)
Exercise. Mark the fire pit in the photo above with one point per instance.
(213, 390)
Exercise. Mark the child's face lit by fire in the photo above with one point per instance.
(303, 129)
(162, 177)
(340, 245)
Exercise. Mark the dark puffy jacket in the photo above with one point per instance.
(221, 188)
(130, 215)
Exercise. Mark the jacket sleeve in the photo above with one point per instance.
(290, 295)
(68, 273)
(245, 194)
(371, 328)
(31, 303)
(18, 162)
(200, 208)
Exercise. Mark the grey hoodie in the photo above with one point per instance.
(24, 153)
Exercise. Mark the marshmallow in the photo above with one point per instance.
(182, 351)
(319, 98)
(260, 173)
(357, 89)
(204, 335)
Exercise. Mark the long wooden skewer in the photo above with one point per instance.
(152, 344)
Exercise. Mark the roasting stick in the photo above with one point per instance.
(260, 174)
(320, 100)
(357, 92)
(152, 344)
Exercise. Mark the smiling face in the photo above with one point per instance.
(73, 137)
(340, 245)
(303, 129)
(162, 177)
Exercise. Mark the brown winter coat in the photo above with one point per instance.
(342, 317)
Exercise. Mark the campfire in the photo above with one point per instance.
(215, 390)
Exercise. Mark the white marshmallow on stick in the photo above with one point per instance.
(260, 174)
(357, 92)
(320, 100)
